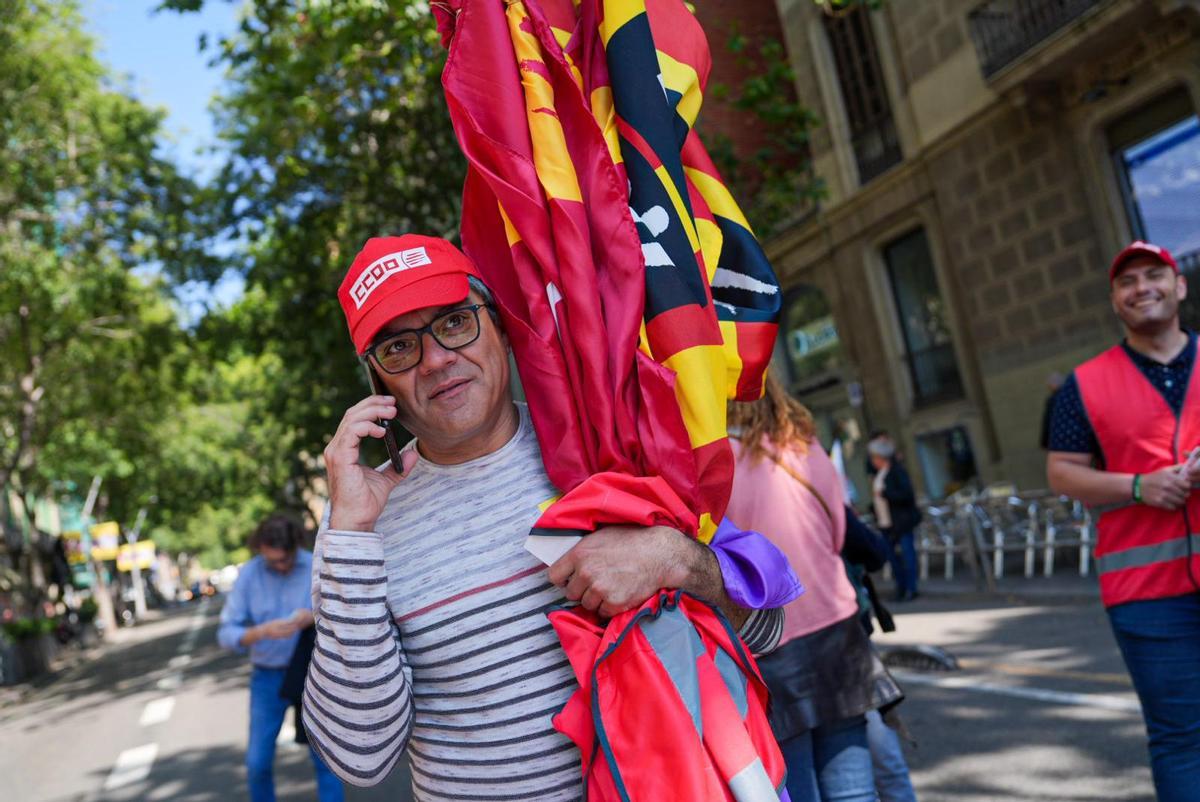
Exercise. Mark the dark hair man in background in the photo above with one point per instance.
(270, 604)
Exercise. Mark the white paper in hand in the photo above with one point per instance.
(548, 548)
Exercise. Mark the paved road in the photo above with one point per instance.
(162, 715)
(1041, 711)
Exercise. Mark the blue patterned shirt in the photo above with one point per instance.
(261, 595)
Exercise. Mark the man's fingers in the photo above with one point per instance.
(408, 458)
(561, 570)
(591, 599)
(577, 587)
(372, 401)
(346, 441)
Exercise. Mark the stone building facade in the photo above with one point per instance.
(983, 160)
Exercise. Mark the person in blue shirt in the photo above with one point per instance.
(270, 604)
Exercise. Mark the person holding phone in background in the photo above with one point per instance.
(431, 627)
(1124, 438)
(270, 604)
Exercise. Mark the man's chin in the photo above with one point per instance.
(1148, 326)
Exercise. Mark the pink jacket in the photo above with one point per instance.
(767, 499)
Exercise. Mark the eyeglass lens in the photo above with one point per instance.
(455, 329)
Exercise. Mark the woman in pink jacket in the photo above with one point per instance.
(820, 677)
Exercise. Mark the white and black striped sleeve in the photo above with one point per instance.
(358, 706)
(762, 630)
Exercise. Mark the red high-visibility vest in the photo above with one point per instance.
(670, 706)
(1142, 552)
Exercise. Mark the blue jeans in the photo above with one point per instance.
(887, 760)
(267, 709)
(830, 763)
(1160, 641)
(903, 559)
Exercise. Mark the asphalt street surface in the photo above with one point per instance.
(1040, 710)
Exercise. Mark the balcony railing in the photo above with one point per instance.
(1003, 30)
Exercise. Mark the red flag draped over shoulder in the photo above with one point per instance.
(637, 301)
(634, 293)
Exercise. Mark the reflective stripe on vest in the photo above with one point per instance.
(1141, 556)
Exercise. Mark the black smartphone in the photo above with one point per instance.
(389, 436)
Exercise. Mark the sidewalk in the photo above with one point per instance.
(72, 657)
(1063, 588)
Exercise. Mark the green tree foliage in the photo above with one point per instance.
(85, 345)
(337, 131)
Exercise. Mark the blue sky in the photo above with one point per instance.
(157, 56)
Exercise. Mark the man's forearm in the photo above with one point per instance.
(1091, 486)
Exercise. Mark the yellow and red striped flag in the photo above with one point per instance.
(635, 294)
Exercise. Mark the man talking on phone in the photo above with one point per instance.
(1124, 437)
(432, 634)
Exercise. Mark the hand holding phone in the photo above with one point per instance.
(1191, 465)
(358, 493)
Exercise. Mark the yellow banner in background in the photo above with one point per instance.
(142, 552)
(106, 540)
(73, 544)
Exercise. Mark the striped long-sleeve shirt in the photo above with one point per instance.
(432, 635)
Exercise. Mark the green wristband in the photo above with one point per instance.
(1137, 488)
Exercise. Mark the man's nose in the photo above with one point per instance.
(434, 355)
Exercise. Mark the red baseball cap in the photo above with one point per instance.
(1140, 248)
(392, 276)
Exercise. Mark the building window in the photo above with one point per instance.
(947, 461)
(810, 338)
(872, 130)
(1156, 153)
(929, 350)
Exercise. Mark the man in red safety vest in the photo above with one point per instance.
(1125, 438)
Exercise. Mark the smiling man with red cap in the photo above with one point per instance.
(430, 614)
(1124, 437)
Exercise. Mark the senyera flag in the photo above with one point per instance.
(636, 297)
(634, 293)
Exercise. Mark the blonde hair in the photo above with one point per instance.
(776, 417)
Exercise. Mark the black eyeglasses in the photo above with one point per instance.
(403, 350)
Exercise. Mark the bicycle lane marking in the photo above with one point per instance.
(134, 764)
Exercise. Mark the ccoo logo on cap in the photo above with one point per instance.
(392, 276)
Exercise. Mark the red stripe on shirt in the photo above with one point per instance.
(471, 592)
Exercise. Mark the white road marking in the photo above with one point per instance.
(157, 711)
(971, 683)
(133, 765)
(179, 661)
(170, 682)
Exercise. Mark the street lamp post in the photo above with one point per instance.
(139, 592)
(104, 603)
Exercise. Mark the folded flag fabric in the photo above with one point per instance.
(634, 292)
